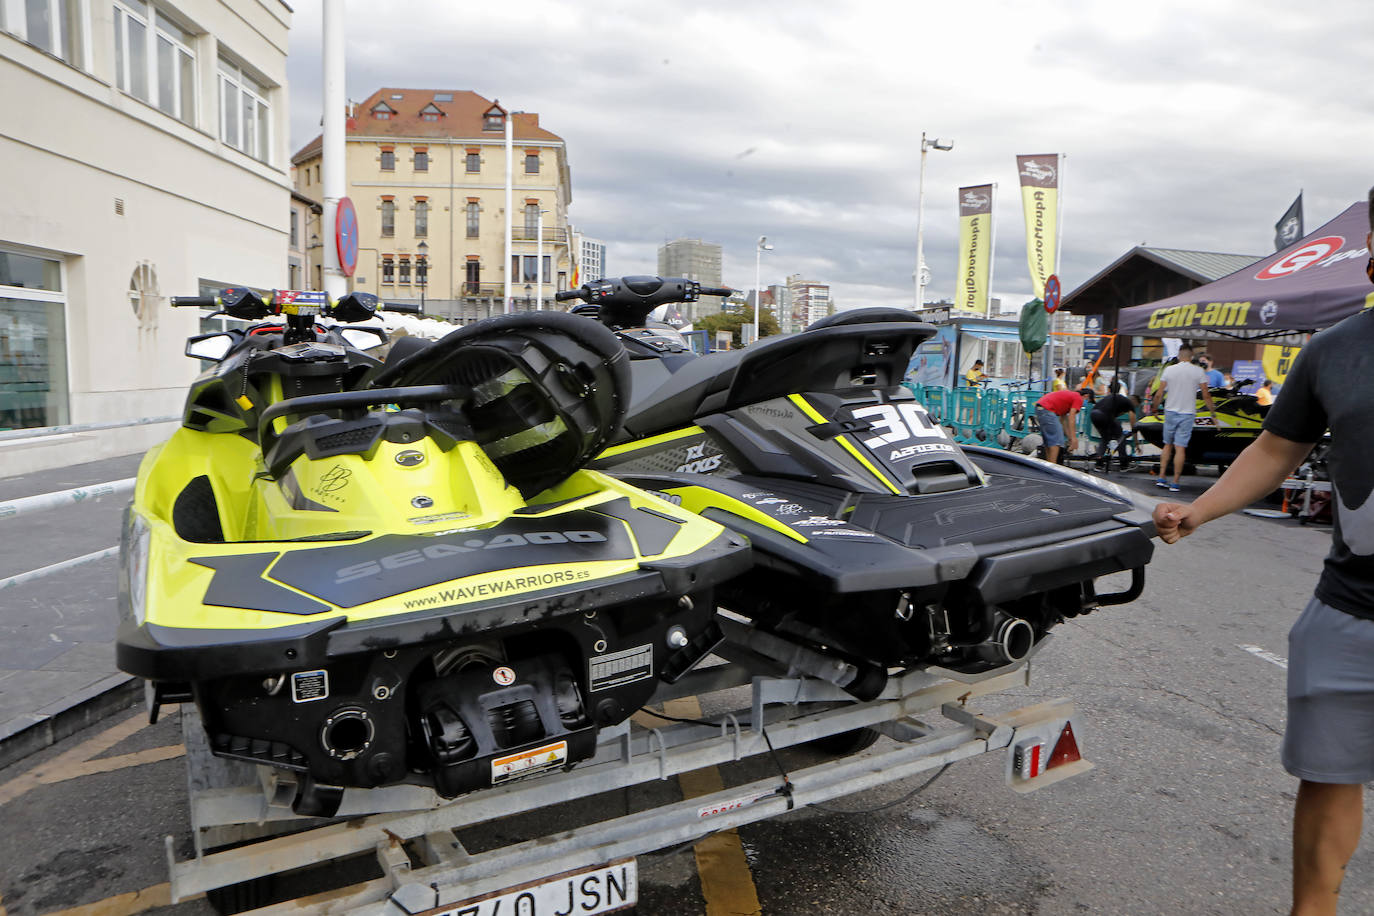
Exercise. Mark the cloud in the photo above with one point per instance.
(1184, 125)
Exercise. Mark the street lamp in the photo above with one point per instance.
(422, 271)
(529, 291)
(758, 274)
(539, 258)
(921, 272)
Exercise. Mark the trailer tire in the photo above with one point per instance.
(846, 743)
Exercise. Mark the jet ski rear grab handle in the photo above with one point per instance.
(235, 803)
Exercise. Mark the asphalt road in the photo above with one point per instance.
(1187, 811)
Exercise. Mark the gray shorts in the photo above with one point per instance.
(1330, 733)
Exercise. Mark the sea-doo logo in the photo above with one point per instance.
(443, 550)
(1269, 311)
(410, 458)
(698, 462)
(1314, 252)
(1037, 171)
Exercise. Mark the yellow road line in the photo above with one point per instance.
(150, 898)
(78, 761)
(726, 881)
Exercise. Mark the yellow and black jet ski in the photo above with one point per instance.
(375, 573)
(1220, 436)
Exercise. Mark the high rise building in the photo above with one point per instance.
(144, 157)
(810, 301)
(694, 260)
(592, 264)
(426, 173)
(779, 297)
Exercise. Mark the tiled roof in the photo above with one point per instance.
(462, 119)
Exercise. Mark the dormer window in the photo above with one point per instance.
(494, 118)
(431, 112)
(382, 111)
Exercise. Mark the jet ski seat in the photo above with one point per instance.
(836, 356)
(548, 389)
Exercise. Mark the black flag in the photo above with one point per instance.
(1289, 228)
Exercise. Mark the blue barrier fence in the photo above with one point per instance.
(991, 416)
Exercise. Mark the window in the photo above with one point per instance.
(382, 111)
(531, 163)
(388, 159)
(548, 269)
(153, 59)
(474, 211)
(494, 119)
(530, 273)
(430, 112)
(474, 277)
(474, 160)
(443, 96)
(421, 159)
(295, 230)
(531, 219)
(388, 270)
(405, 270)
(52, 25)
(33, 342)
(421, 218)
(388, 217)
(245, 116)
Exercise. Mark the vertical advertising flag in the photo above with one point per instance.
(1040, 201)
(1289, 227)
(975, 248)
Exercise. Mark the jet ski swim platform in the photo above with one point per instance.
(760, 700)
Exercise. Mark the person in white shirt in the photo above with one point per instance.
(1178, 386)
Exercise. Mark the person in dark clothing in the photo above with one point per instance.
(1106, 419)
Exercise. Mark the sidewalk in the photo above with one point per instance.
(57, 670)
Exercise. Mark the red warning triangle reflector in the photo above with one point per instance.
(1066, 749)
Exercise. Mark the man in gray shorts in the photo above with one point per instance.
(1329, 741)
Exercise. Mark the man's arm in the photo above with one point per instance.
(1207, 396)
(1258, 470)
(1158, 393)
(1071, 428)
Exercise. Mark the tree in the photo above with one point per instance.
(726, 321)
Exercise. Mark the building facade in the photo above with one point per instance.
(810, 301)
(779, 298)
(427, 174)
(304, 254)
(144, 157)
(591, 259)
(696, 260)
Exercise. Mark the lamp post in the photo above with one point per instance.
(758, 274)
(945, 146)
(422, 272)
(529, 291)
(539, 259)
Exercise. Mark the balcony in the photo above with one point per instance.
(552, 235)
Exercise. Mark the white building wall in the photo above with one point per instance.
(193, 208)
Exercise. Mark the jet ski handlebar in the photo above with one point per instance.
(341, 400)
(627, 301)
(238, 302)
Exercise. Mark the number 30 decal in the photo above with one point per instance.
(898, 423)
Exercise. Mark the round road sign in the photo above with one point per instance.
(1052, 292)
(346, 236)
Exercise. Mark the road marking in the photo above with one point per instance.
(150, 898)
(1265, 654)
(79, 760)
(726, 881)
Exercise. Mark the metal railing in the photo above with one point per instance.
(531, 234)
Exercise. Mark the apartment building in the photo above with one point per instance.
(810, 301)
(591, 259)
(427, 174)
(144, 157)
(694, 260)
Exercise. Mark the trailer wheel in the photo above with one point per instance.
(846, 743)
(237, 898)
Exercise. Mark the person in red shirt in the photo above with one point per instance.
(1057, 414)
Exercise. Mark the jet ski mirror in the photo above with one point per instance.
(363, 338)
(357, 306)
(210, 346)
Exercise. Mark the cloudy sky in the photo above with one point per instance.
(1184, 124)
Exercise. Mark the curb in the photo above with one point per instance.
(31, 732)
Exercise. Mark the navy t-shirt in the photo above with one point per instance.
(1326, 390)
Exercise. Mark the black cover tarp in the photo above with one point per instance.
(1311, 284)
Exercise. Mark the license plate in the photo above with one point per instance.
(604, 889)
(527, 763)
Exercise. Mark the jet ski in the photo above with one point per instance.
(878, 541)
(373, 573)
(1219, 437)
